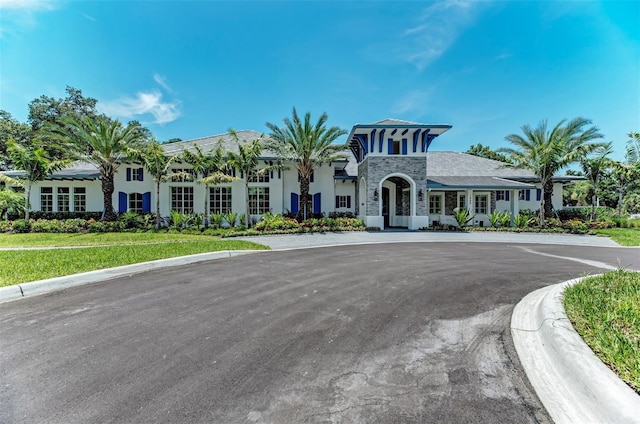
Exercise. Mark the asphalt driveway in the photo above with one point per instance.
(389, 333)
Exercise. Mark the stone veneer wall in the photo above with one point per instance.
(375, 168)
(450, 202)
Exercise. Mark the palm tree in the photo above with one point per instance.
(153, 157)
(211, 166)
(624, 173)
(246, 160)
(35, 164)
(633, 148)
(308, 146)
(594, 168)
(547, 152)
(102, 141)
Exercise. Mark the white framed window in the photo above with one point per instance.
(181, 199)
(481, 204)
(220, 200)
(79, 199)
(135, 202)
(46, 199)
(435, 204)
(258, 200)
(523, 195)
(501, 195)
(63, 199)
(343, 202)
(462, 201)
(255, 177)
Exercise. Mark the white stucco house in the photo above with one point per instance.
(389, 178)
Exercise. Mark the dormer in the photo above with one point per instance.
(393, 137)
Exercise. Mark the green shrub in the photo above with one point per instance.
(522, 220)
(462, 216)
(271, 222)
(105, 227)
(21, 226)
(575, 226)
(46, 226)
(505, 219)
(5, 226)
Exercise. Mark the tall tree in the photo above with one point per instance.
(594, 168)
(633, 148)
(104, 142)
(48, 110)
(246, 160)
(624, 175)
(158, 164)
(11, 129)
(487, 153)
(35, 165)
(546, 152)
(211, 167)
(308, 146)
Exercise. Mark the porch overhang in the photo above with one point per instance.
(476, 183)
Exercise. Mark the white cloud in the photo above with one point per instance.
(143, 103)
(438, 28)
(162, 81)
(33, 5)
(415, 103)
(18, 15)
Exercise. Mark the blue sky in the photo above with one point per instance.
(190, 69)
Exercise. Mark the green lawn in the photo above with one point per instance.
(29, 265)
(622, 236)
(92, 239)
(605, 311)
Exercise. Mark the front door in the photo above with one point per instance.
(385, 206)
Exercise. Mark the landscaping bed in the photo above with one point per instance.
(605, 311)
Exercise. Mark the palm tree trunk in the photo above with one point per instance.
(548, 202)
(305, 206)
(205, 220)
(107, 192)
(593, 207)
(158, 205)
(27, 200)
(246, 200)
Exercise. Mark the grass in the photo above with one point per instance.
(93, 239)
(622, 236)
(605, 311)
(29, 265)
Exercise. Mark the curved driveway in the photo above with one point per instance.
(389, 333)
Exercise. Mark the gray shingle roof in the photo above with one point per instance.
(489, 183)
(464, 165)
(207, 143)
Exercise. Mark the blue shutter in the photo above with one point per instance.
(337, 202)
(295, 203)
(140, 174)
(122, 201)
(146, 202)
(527, 195)
(506, 195)
(538, 194)
(312, 176)
(390, 146)
(404, 146)
(348, 201)
(317, 208)
(128, 174)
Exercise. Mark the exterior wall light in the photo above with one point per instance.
(375, 194)
(420, 195)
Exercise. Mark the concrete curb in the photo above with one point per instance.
(58, 283)
(570, 380)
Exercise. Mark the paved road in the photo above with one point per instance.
(388, 333)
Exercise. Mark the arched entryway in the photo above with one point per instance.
(397, 202)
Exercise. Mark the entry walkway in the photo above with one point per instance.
(296, 241)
